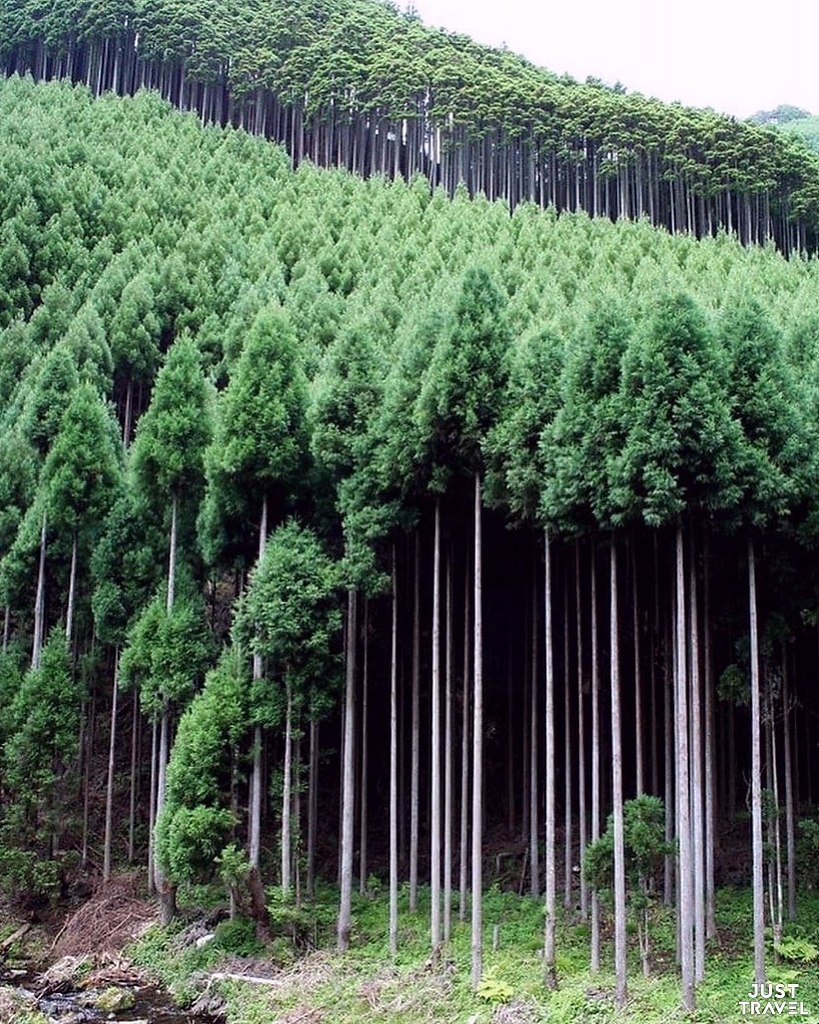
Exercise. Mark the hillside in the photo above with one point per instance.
(354, 83)
(800, 123)
(353, 537)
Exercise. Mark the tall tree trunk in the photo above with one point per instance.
(621, 993)
(790, 810)
(477, 753)
(435, 751)
(394, 763)
(362, 856)
(549, 938)
(287, 790)
(416, 734)
(581, 739)
(109, 790)
(448, 758)
(463, 880)
(638, 709)
(698, 834)
(72, 590)
(132, 789)
(312, 807)
(594, 964)
(166, 891)
(348, 792)
(257, 895)
(534, 730)
(710, 782)
(152, 807)
(39, 602)
(686, 880)
(567, 757)
(756, 775)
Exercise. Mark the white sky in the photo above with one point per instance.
(737, 56)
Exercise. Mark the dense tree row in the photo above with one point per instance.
(368, 531)
(356, 84)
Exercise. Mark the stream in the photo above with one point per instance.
(151, 1005)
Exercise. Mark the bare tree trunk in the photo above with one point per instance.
(362, 856)
(287, 790)
(549, 938)
(621, 992)
(534, 729)
(581, 740)
(394, 764)
(257, 894)
(477, 755)
(465, 731)
(109, 791)
(435, 751)
(448, 759)
(312, 807)
(415, 742)
(686, 883)
(132, 788)
(39, 602)
(638, 709)
(348, 801)
(756, 776)
(72, 590)
(166, 891)
(696, 775)
(790, 811)
(567, 759)
(594, 964)
(710, 792)
(152, 807)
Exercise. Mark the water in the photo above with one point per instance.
(152, 1005)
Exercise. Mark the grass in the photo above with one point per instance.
(367, 985)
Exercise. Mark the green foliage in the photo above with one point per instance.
(196, 824)
(796, 950)
(290, 616)
(493, 989)
(40, 747)
(644, 843)
(166, 655)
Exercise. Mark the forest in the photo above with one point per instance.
(374, 538)
(358, 84)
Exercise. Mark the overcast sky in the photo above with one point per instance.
(737, 56)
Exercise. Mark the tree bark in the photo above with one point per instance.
(415, 741)
(621, 992)
(790, 809)
(257, 895)
(448, 759)
(549, 938)
(756, 775)
(394, 763)
(39, 602)
(348, 792)
(435, 751)
(109, 791)
(477, 753)
(362, 856)
(686, 882)
(72, 590)
(287, 790)
(594, 965)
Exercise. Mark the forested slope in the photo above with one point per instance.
(326, 500)
(355, 84)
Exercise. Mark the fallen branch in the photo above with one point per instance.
(9, 941)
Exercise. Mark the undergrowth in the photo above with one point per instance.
(367, 985)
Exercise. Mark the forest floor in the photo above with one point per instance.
(300, 979)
